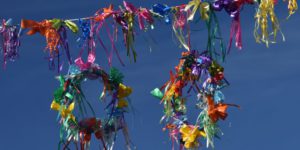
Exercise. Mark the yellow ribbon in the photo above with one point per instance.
(265, 9)
(190, 135)
(198, 4)
(124, 91)
(292, 6)
(122, 103)
(64, 111)
(181, 38)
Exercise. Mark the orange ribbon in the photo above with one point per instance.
(217, 111)
(45, 29)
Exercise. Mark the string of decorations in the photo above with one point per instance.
(201, 71)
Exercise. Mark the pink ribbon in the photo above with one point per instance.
(84, 66)
(142, 13)
(236, 31)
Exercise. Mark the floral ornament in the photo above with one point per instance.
(10, 42)
(206, 78)
(265, 12)
(190, 135)
(64, 111)
(77, 117)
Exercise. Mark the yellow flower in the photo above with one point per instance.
(122, 103)
(124, 91)
(64, 112)
(190, 135)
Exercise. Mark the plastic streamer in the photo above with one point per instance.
(10, 41)
(265, 11)
(201, 74)
(178, 16)
(233, 8)
(55, 33)
(292, 6)
(214, 37)
(96, 25)
(179, 24)
(76, 115)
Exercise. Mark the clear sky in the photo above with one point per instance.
(264, 82)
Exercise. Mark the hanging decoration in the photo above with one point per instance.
(77, 117)
(56, 37)
(54, 30)
(10, 41)
(261, 31)
(198, 72)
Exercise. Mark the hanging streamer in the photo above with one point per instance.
(125, 17)
(233, 8)
(10, 41)
(265, 12)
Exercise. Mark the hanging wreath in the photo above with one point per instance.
(69, 97)
(205, 77)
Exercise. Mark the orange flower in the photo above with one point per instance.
(217, 111)
(107, 12)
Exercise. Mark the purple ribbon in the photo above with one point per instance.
(232, 7)
(10, 42)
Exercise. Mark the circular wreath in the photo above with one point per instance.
(69, 96)
(206, 78)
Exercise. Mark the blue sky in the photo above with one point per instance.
(264, 82)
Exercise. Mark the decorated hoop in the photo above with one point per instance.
(79, 128)
(206, 78)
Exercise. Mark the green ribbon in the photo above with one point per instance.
(157, 93)
(115, 76)
(211, 129)
(57, 23)
(71, 25)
